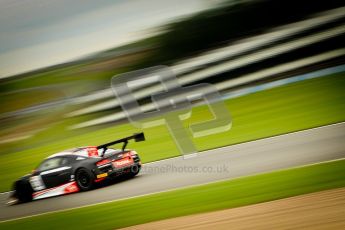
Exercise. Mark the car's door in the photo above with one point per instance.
(55, 171)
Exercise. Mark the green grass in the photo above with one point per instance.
(285, 109)
(205, 198)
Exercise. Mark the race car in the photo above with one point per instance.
(77, 169)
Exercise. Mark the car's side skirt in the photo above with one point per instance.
(67, 188)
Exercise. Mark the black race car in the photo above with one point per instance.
(77, 169)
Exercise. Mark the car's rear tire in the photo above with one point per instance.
(135, 169)
(85, 179)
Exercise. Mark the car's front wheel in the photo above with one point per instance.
(84, 179)
(23, 191)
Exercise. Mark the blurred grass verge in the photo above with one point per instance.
(297, 106)
(205, 198)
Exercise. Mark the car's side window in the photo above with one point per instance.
(53, 163)
(64, 161)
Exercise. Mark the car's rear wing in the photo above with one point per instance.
(137, 137)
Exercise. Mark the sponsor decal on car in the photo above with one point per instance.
(70, 188)
(123, 162)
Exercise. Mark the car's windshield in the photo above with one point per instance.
(52, 163)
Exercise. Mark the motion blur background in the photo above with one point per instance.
(278, 65)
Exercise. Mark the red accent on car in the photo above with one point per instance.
(71, 188)
(126, 155)
(100, 179)
(35, 194)
(92, 151)
(103, 162)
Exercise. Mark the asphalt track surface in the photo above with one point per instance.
(290, 150)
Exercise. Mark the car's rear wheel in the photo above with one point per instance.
(84, 179)
(135, 169)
